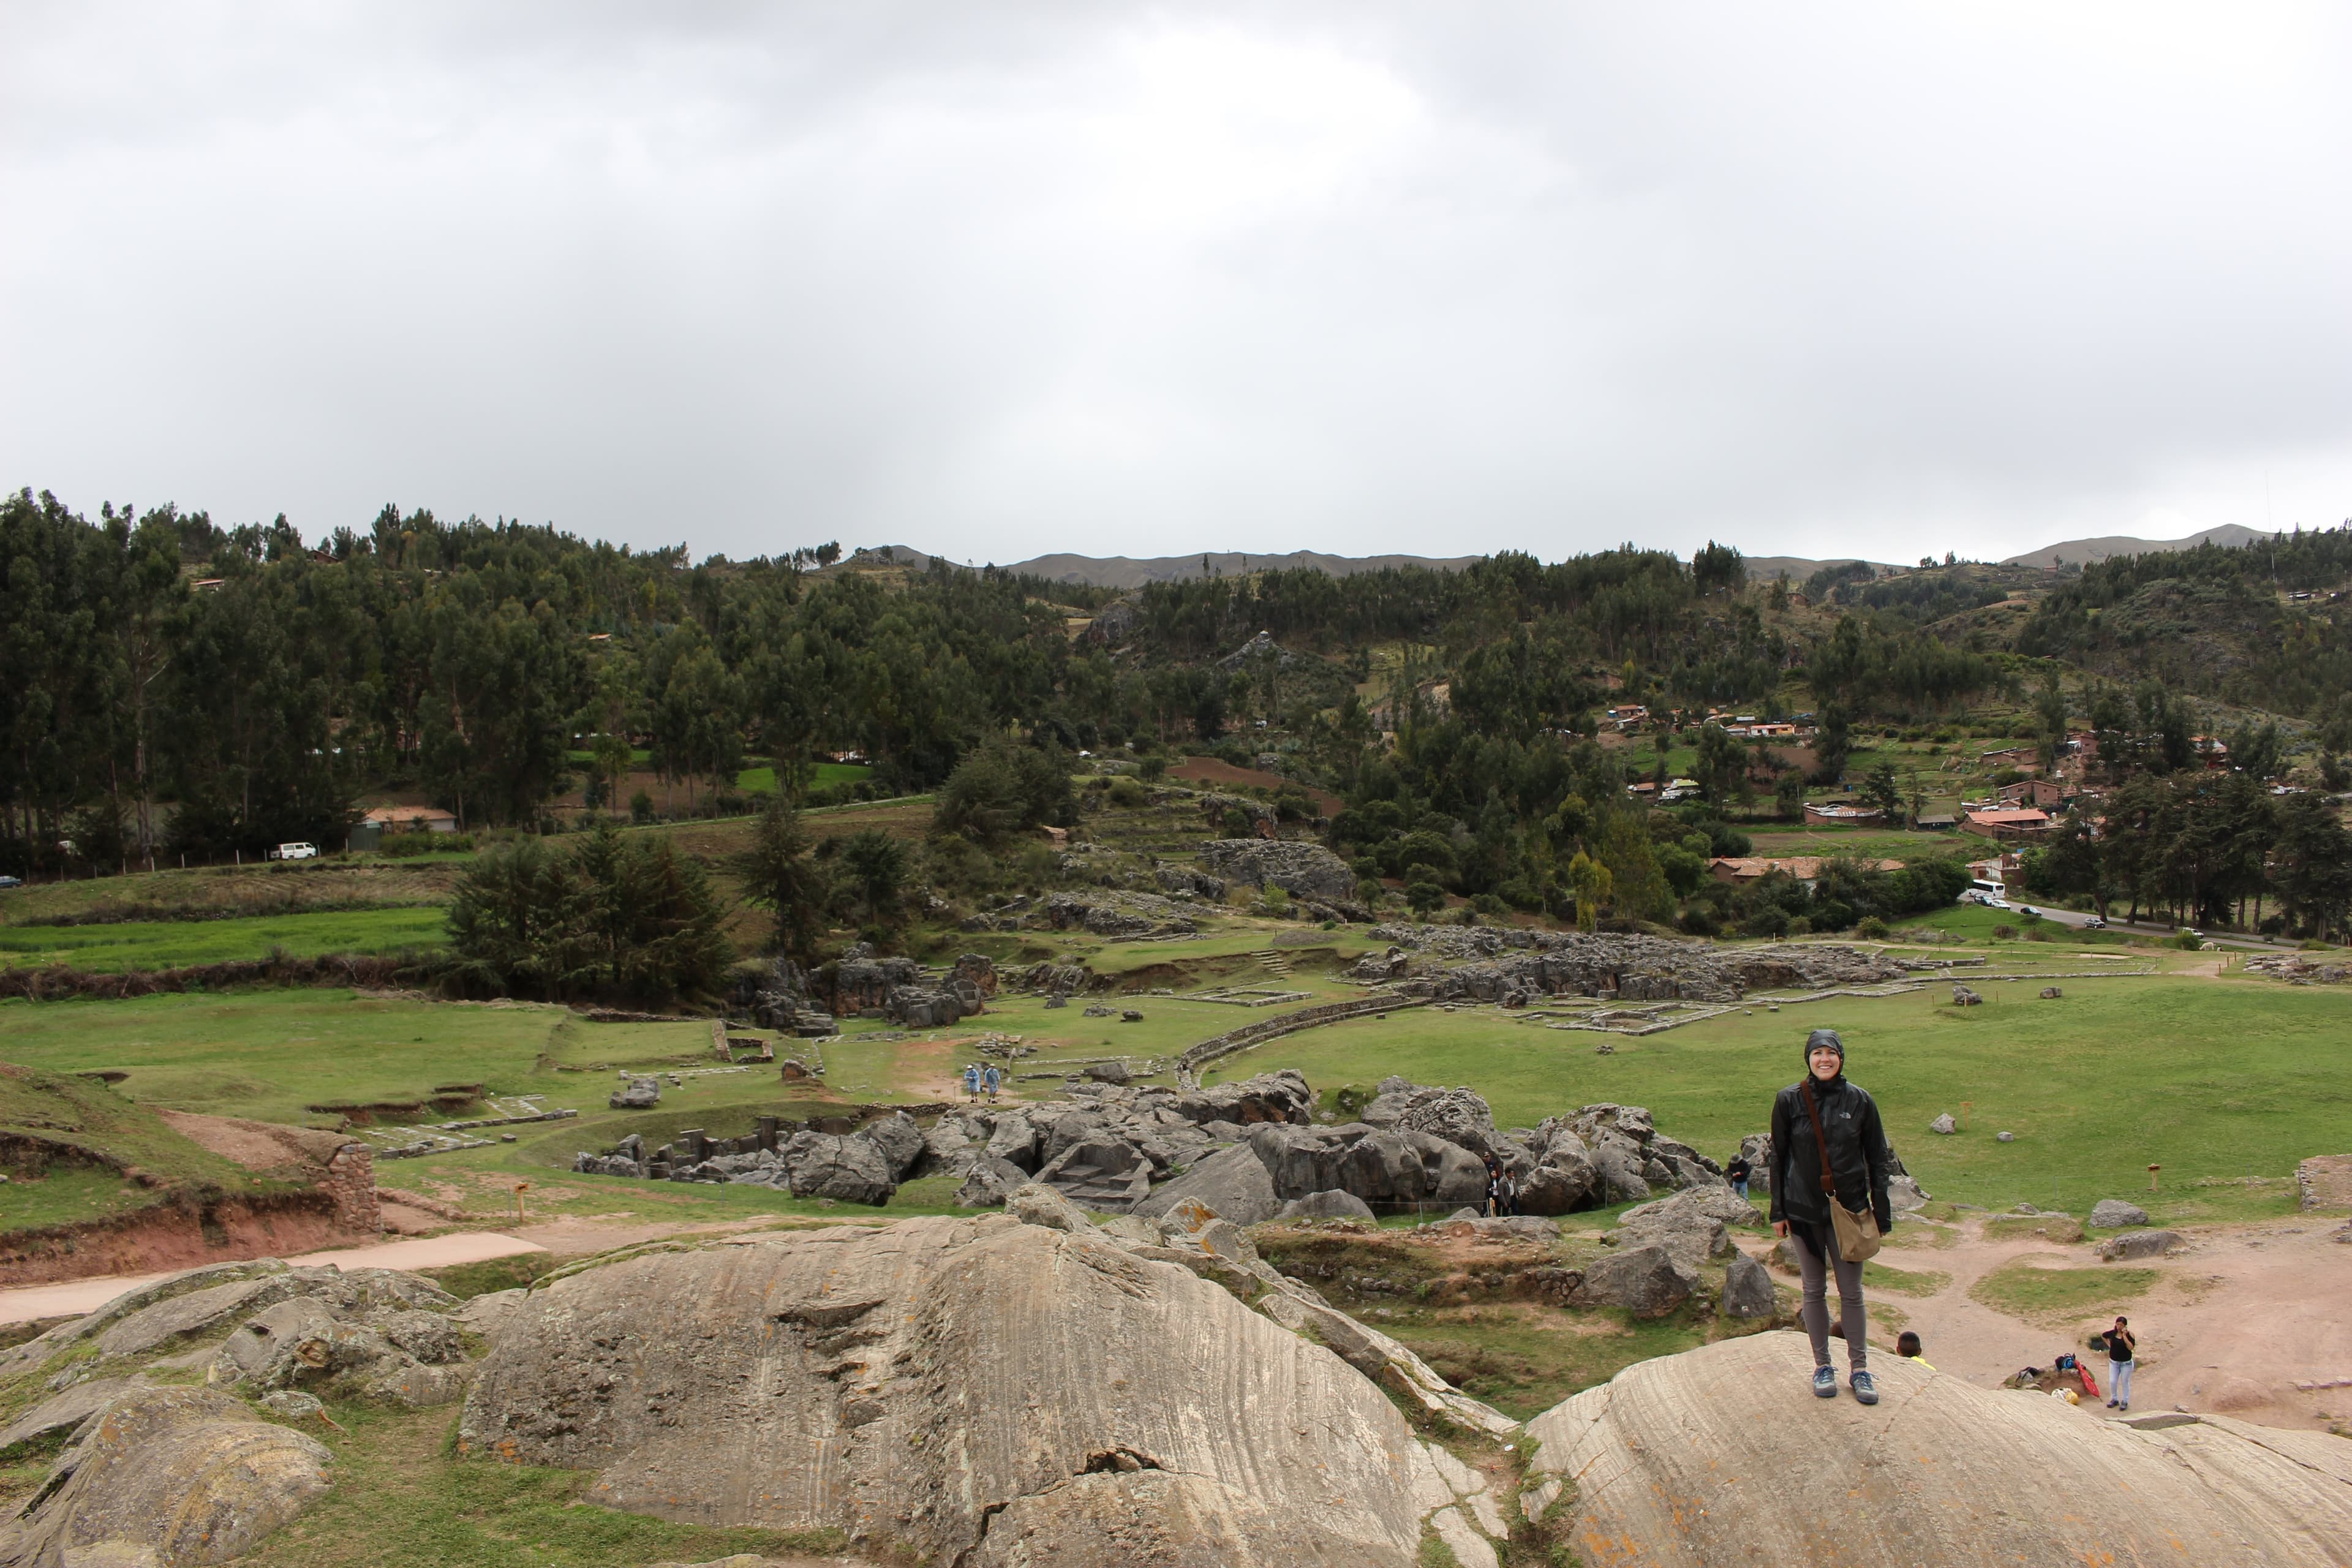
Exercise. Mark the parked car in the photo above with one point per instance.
(2029, 909)
(2094, 923)
(295, 852)
(12, 882)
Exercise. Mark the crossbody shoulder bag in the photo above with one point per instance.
(1857, 1232)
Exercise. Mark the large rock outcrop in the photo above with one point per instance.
(976, 1391)
(1501, 961)
(1308, 870)
(163, 1478)
(1721, 1455)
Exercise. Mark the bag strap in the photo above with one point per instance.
(1820, 1141)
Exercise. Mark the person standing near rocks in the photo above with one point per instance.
(1856, 1156)
(1738, 1172)
(2123, 1346)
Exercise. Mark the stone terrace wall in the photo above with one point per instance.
(1265, 1029)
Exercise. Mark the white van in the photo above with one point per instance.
(295, 852)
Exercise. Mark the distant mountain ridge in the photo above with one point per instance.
(2084, 552)
(1130, 572)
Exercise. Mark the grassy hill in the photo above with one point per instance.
(75, 1149)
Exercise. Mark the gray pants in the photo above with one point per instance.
(1815, 1312)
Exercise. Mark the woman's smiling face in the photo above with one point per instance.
(1825, 1062)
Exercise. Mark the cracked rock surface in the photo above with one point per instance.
(162, 1477)
(1719, 1455)
(979, 1390)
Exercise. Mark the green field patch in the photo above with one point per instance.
(271, 1053)
(77, 1150)
(820, 776)
(1904, 1282)
(2024, 1291)
(574, 1042)
(173, 945)
(2219, 1081)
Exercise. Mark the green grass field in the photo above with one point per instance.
(821, 775)
(92, 1135)
(267, 1054)
(165, 944)
(2215, 1080)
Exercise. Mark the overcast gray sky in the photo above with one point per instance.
(995, 280)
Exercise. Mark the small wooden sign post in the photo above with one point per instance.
(2152, 1170)
(520, 1188)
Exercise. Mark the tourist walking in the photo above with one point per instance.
(1829, 1148)
(971, 1081)
(1737, 1172)
(990, 1079)
(2123, 1347)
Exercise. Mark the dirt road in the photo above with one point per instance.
(77, 1296)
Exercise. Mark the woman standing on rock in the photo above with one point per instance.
(1823, 1111)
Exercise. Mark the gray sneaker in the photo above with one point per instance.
(1824, 1383)
(1864, 1389)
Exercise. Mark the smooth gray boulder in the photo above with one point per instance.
(1334, 1204)
(1280, 1096)
(1233, 1183)
(901, 1142)
(1944, 1124)
(1646, 1281)
(971, 1390)
(1716, 1202)
(1670, 1455)
(2139, 1244)
(1746, 1288)
(849, 1170)
(1690, 1239)
(637, 1094)
(2114, 1214)
(166, 1477)
(151, 1327)
(67, 1409)
(1617, 1163)
(1556, 1190)
(988, 1181)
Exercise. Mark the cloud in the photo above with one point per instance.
(997, 282)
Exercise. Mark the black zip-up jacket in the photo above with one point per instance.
(1858, 1152)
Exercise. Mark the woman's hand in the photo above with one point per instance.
(1780, 1228)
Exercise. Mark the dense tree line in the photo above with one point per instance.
(2205, 848)
(2208, 621)
(259, 686)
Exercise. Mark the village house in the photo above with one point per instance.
(2044, 795)
(1841, 815)
(412, 819)
(2006, 826)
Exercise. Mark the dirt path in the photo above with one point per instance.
(76, 1296)
(2233, 1325)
